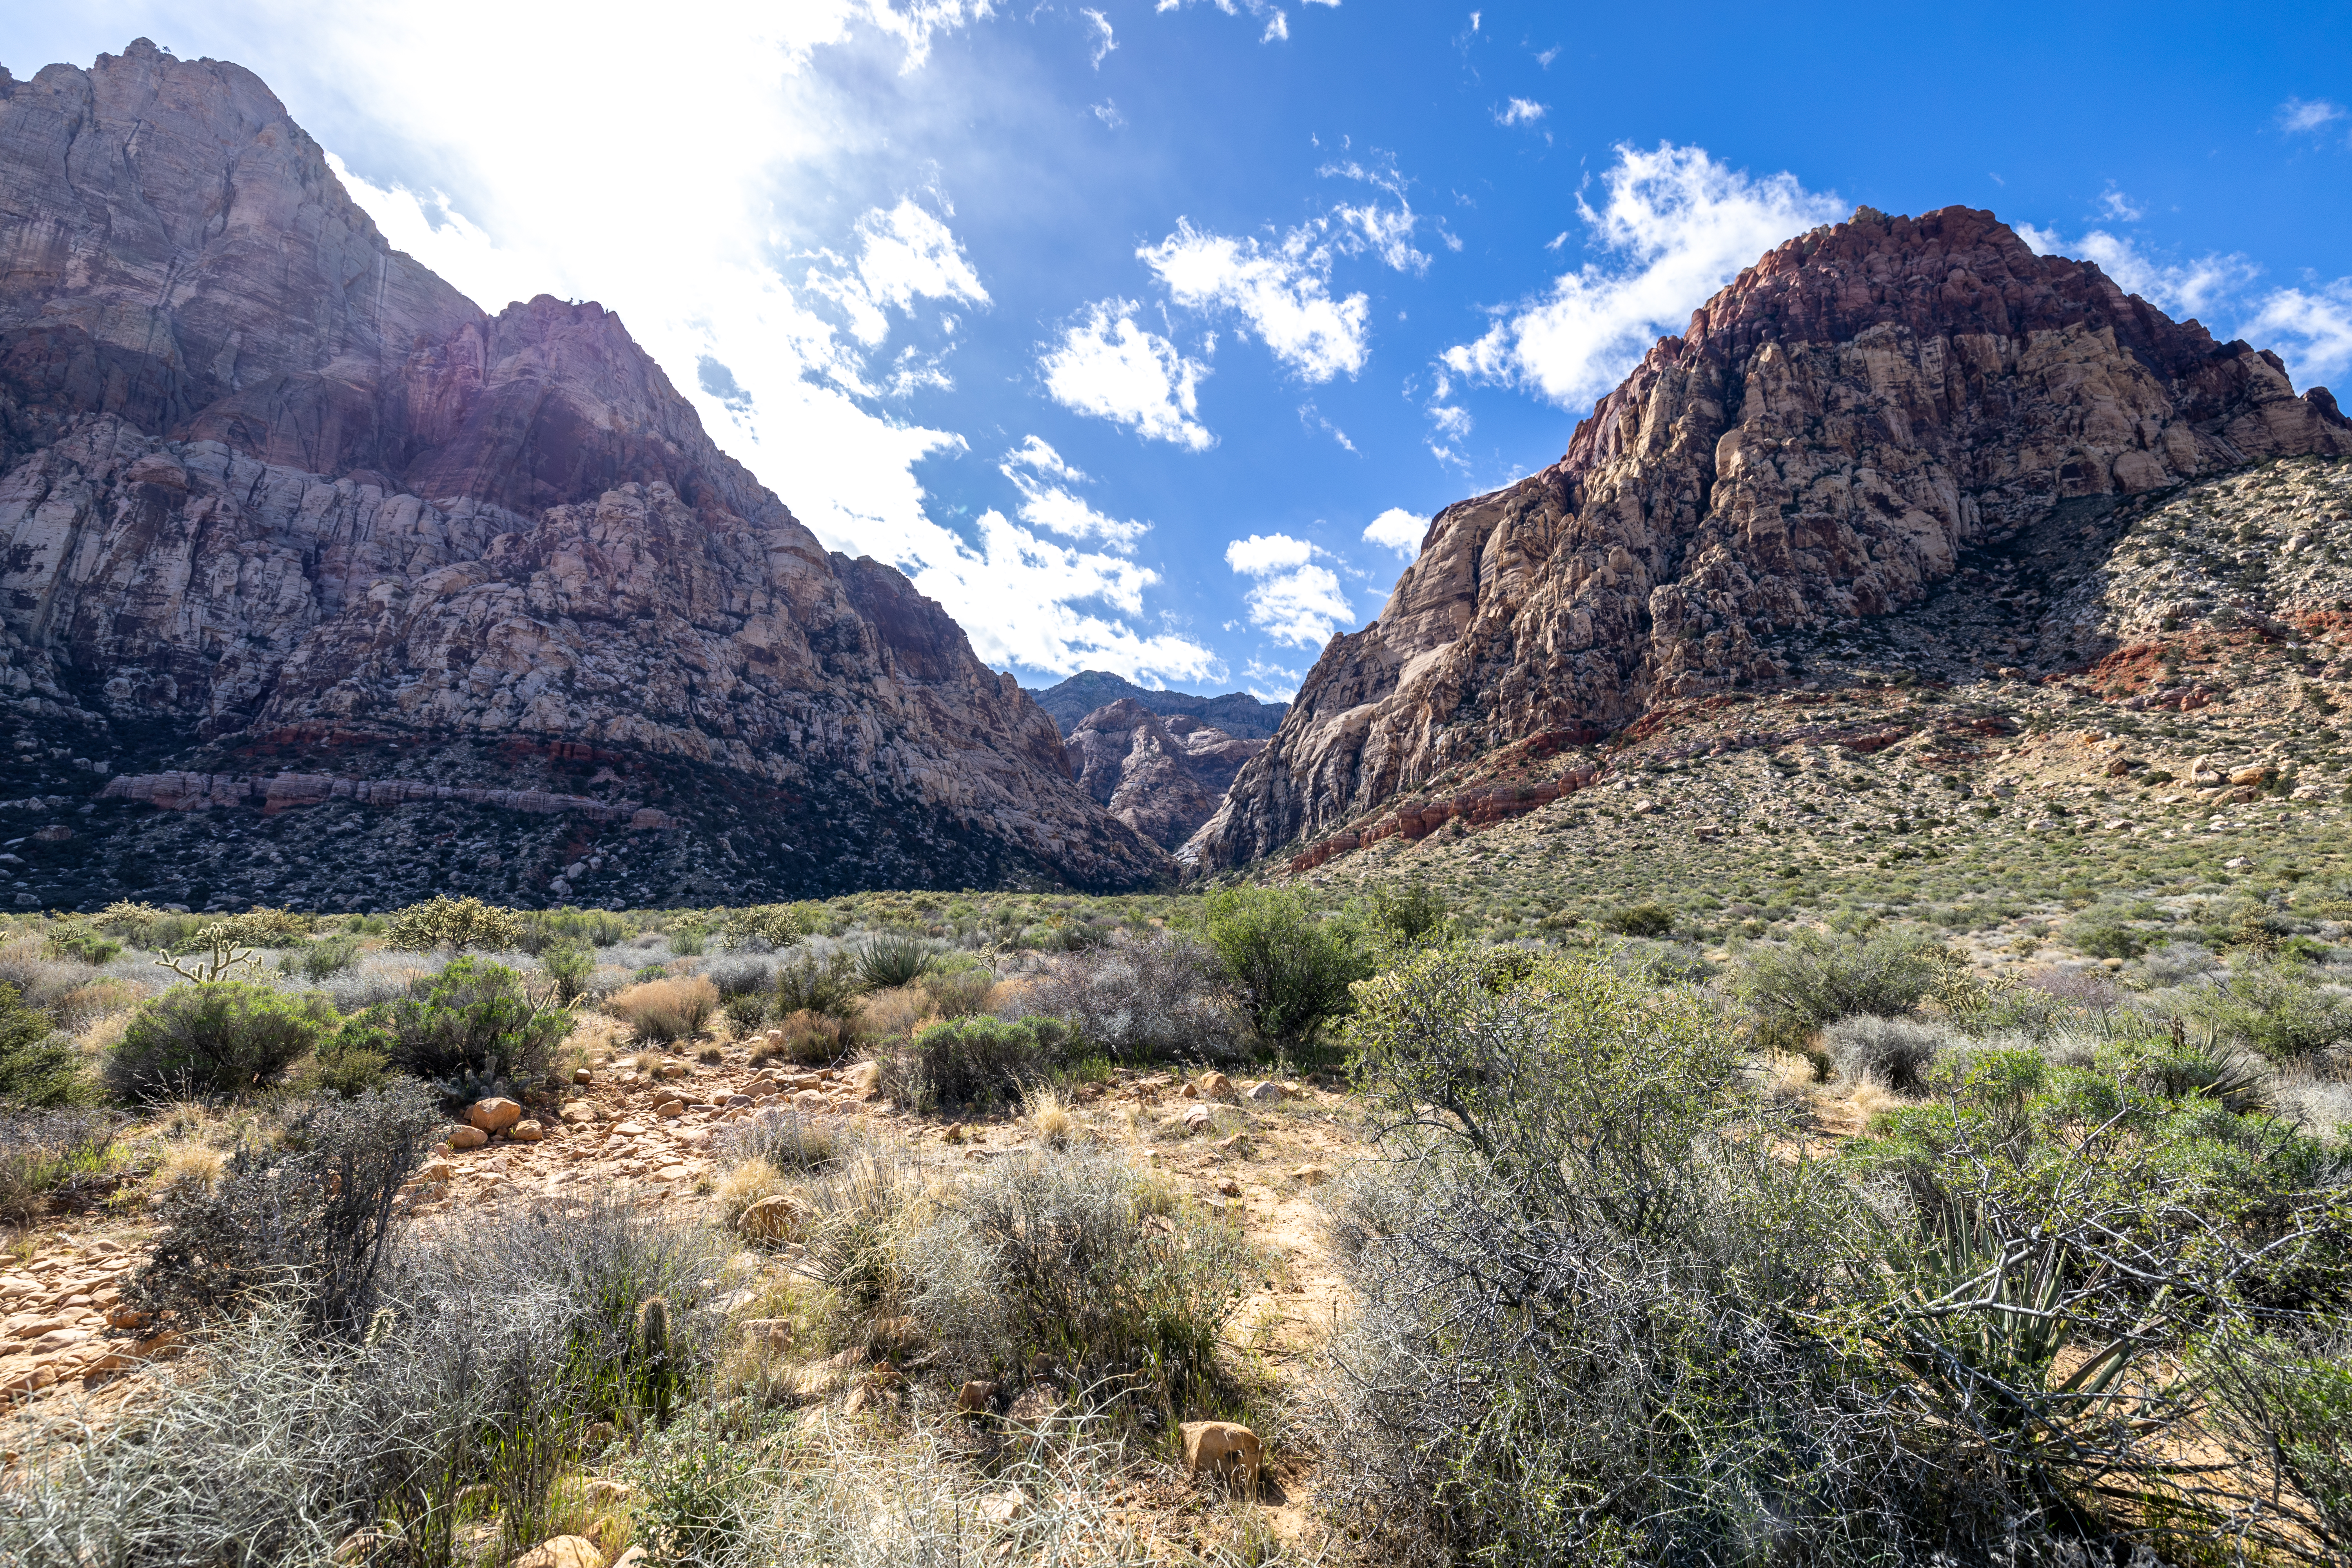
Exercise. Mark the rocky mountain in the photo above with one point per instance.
(322, 587)
(1237, 713)
(1819, 448)
(1163, 778)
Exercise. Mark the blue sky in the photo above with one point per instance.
(1146, 336)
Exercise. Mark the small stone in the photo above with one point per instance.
(526, 1133)
(778, 1218)
(975, 1397)
(436, 1171)
(1229, 1187)
(669, 1109)
(635, 1557)
(2236, 863)
(1222, 1448)
(582, 1075)
(601, 1490)
(494, 1115)
(810, 1098)
(1198, 1120)
(1265, 1089)
(468, 1138)
(561, 1552)
(1003, 1507)
(1217, 1086)
(1190, 1091)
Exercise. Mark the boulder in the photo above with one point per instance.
(975, 1398)
(494, 1115)
(778, 1219)
(561, 1552)
(526, 1133)
(1217, 1086)
(1311, 1175)
(1266, 1092)
(1223, 1449)
(468, 1138)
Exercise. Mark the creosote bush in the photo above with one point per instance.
(227, 1037)
(975, 1062)
(1290, 967)
(51, 1153)
(1817, 980)
(472, 1028)
(38, 1067)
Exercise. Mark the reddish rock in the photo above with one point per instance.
(1819, 445)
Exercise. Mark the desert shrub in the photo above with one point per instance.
(888, 959)
(41, 981)
(778, 925)
(1162, 998)
(456, 925)
(958, 993)
(2104, 938)
(808, 983)
(49, 1152)
(569, 964)
(688, 940)
(228, 1037)
(806, 1038)
(583, 927)
(977, 1061)
(672, 1008)
(784, 1140)
(38, 1067)
(84, 944)
(1815, 981)
(743, 974)
(699, 1490)
(355, 1057)
(2291, 1395)
(2273, 1009)
(1645, 919)
(1290, 969)
(746, 1011)
(1095, 1269)
(1411, 914)
(469, 1030)
(322, 959)
(1891, 1052)
(304, 1219)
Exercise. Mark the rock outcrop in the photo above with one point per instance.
(1163, 778)
(276, 501)
(1237, 713)
(1819, 446)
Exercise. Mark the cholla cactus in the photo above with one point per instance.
(456, 925)
(655, 1356)
(225, 954)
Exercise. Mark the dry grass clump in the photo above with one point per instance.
(1049, 1113)
(895, 1014)
(959, 993)
(187, 1166)
(806, 1038)
(746, 1185)
(665, 1010)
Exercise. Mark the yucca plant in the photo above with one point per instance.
(890, 959)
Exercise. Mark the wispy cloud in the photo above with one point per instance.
(1271, 682)
(2300, 115)
(2314, 326)
(2182, 289)
(1105, 41)
(2115, 205)
(1521, 111)
(1676, 226)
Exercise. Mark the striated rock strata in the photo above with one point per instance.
(1163, 778)
(1828, 436)
(275, 502)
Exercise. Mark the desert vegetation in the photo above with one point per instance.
(1622, 1248)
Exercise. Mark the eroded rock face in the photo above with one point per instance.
(274, 498)
(1162, 777)
(1832, 428)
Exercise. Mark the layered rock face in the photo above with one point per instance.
(1162, 777)
(276, 499)
(1833, 430)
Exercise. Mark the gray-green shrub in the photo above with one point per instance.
(975, 1061)
(224, 1039)
(38, 1066)
(1290, 968)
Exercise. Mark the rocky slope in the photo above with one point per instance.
(1161, 778)
(1237, 713)
(1820, 446)
(401, 597)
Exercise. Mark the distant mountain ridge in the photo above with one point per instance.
(1237, 713)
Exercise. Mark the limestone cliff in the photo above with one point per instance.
(1162, 777)
(275, 499)
(1829, 432)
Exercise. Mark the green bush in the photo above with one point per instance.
(806, 984)
(350, 1062)
(38, 1067)
(1647, 920)
(1410, 915)
(1815, 981)
(470, 1028)
(227, 1037)
(976, 1061)
(1291, 970)
(2273, 1009)
(456, 925)
(569, 964)
(322, 959)
(84, 944)
(46, 1152)
(2102, 938)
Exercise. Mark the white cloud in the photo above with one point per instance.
(1107, 366)
(2298, 114)
(1105, 42)
(2190, 289)
(1291, 599)
(2117, 206)
(1277, 28)
(1107, 113)
(1398, 530)
(2317, 325)
(1521, 111)
(1279, 290)
(1451, 422)
(904, 255)
(1386, 231)
(1046, 501)
(1678, 226)
(779, 365)
(1271, 682)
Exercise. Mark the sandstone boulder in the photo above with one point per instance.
(561, 1552)
(1223, 1449)
(782, 1218)
(494, 1115)
(468, 1138)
